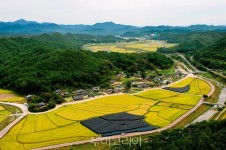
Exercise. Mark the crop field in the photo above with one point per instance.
(9, 96)
(3, 113)
(130, 47)
(158, 108)
(197, 86)
(6, 115)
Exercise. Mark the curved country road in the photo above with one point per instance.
(136, 133)
(25, 112)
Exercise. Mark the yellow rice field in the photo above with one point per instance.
(129, 47)
(159, 107)
(9, 96)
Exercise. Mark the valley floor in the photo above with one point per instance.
(161, 108)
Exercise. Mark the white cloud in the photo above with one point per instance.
(135, 12)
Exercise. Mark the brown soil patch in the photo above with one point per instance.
(3, 96)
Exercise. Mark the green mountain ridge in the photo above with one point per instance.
(50, 61)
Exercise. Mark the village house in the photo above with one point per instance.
(79, 97)
(109, 91)
(28, 97)
(42, 104)
(142, 85)
(119, 88)
(58, 91)
(81, 92)
(112, 81)
(96, 89)
(65, 94)
(165, 82)
(120, 75)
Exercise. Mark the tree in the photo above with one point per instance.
(143, 74)
(128, 85)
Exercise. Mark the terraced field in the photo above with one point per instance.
(3, 113)
(131, 47)
(9, 96)
(159, 107)
(6, 115)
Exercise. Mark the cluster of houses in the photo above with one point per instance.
(79, 94)
(118, 85)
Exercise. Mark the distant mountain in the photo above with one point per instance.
(173, 29)
(31, 27)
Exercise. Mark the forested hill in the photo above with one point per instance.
(46, 62)
(14, 45)
(213, 56)
(207, 48)
(189, 42)
(201, 136)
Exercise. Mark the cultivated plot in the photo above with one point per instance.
(158, 108)
(129, 47)
(9, 96)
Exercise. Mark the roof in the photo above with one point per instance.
(78, 97)
(81, 90)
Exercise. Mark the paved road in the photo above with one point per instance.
(21, 106)
(25, 112)
(195, 69)
(105, 139)
(211, 70)
(21, 116)
(133, 134)
(222, 97)
(213, 110)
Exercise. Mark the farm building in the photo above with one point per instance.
(42, 104)
(81, 92)
(58, 91)
(78, 97)
(142, 85)
(109, 91)
(96, 89)
(28, 97)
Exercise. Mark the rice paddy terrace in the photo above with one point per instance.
(129, 47)
(109, 115)
(4, 113)
(9, 96)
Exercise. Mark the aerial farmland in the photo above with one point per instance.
(129, 47)
(156, 108)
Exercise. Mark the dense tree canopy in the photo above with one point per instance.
(46, 62)
(213, 56)
(201, 136)
(209, 49)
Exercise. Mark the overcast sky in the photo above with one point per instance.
(133, 12)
